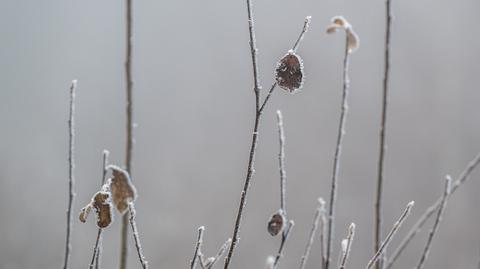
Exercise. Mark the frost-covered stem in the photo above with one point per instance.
(311, 236)
(198, 245)
(95, 248)
(129, 125)
(434, 230)
(265, 101)
(105, 155)
(136, 237)
(464, 176)
(281, 162)
(253, 147)
(323, 233)
(390, 235)
(346, 250)
(71, 177)
(282, 243)
(383, 131)
(338, 152)
(306, 24)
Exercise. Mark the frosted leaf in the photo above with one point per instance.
(84, 213)
(289, 72)
(339, 22)
(122, 189)
(277, 223)
(102, 205)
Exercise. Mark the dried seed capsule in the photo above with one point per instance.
(289, 72)
(277, 223)
(85, 212)
(102, 205)
(123, 191)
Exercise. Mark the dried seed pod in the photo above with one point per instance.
(277, 223)
(103, 207)
(339, 22)
(123, 191)
(85, 212)
(289, 72)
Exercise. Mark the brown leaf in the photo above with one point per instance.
(289, 72)
(277, 223)
(84, 213)
(103, 207)
(123, 191)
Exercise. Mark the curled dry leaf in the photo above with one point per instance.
(289, 72)
(123, 191)
(277, 223)
(339, 22)
(102, 205)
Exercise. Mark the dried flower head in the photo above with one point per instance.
(277, 223)
(352, 38)
(102, 205)
(289, 72)
(123, 191)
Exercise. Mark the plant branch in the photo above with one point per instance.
(193, 263)
(347, 245)
(282, 244)
(281, 162)
(338, 152)
(105, 155)
(136, 237)
(446, 192)
(129, 124)
(383, 131)
(464, 176)
(95, 248)
(71, 176)
(306, 24)
(311, 237)
(390, 235)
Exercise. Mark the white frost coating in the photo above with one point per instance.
(344, 245)
(339, 22)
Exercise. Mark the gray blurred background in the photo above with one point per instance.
(194, 108)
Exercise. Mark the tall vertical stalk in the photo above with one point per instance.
(71, 177)
(338, 152)
(129, 127)
(383, 132)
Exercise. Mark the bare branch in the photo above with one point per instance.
(347, 245)
(71, 176)
(446, 192)
(464, 176)
(281, 162)
(136, 237)
(95, 248)
(311, 237)
(198, 246)
(282, 244)
(383, 132)
(390, 235)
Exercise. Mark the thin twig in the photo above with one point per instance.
(281, 162)
(71, 177)
(383, 132)
(311, 237)
(282, 244)
(347, 245)
(448, 184)
(105, 155)
(193, 262)
(259, 107)
(390, 235)
(129, 123)
(464, 176)
(338, 152)
(95, 248)
(306, 24)
(136, 237)
(323, 232)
